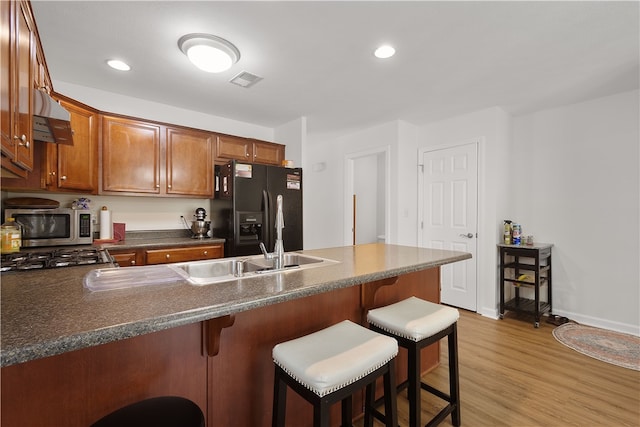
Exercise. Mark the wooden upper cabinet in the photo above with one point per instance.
(189, 162)
(19, 45)
(75, 167)
(268, 153)
(233, 148)
(130, 156)
(146, 158)
(250, 150)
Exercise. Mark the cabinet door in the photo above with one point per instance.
(18, 59)
(125, 258)
(233, 148)
(268, 153)
(189, 163)
(130, 156)
(6, 95)
(165, 256)
(75, 167)
(24, 81)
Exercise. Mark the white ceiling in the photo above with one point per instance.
(316, 57)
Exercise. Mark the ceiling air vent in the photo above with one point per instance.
(245, 79)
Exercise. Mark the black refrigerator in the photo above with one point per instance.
(243, 210)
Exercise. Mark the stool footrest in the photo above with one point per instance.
(444, 413)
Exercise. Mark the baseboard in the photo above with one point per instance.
(600, 323)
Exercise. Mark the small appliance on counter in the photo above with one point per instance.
(200, 229)
(44, 223)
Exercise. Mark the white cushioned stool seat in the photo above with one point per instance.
(334, 357)
(329, 366)
(413, 318)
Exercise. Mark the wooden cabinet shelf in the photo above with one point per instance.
(534, 260)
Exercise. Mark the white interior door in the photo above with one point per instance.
(449, 209)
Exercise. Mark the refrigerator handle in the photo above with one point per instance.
(266, 220)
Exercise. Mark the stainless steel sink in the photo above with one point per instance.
(223, 270)
(291, 260)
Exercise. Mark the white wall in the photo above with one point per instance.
(325, 183)
(576, 185)
(293, 135)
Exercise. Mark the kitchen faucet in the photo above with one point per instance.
(278, 251)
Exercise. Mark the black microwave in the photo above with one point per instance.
(53, 227)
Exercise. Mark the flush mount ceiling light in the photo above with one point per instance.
(118, 65)
(209, 53)
(384, 52)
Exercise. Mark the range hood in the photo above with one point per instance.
(51, 122)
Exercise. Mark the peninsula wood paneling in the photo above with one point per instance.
(77, 388)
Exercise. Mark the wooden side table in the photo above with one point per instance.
(534, 261)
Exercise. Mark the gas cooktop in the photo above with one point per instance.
(55, 258)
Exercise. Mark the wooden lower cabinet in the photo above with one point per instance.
(194, 253)
(76, 389)
(232, 381)
(138, 257)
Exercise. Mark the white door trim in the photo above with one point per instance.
(479, 142)
(349, 160)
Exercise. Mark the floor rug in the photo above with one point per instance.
(608, 346)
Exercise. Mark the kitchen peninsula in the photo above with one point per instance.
(69, 356)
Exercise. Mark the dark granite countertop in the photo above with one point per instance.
(159, 239)
(49, 312)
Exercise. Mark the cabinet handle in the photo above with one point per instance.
(24, 142)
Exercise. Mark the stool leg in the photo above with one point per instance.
(390, 396)
(347, 416)
(413, 391)
(454, 385)
(321, 414)
(279, 400)
(369, 400)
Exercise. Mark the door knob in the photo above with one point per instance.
(468, 235)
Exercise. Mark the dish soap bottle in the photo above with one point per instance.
(11, 236)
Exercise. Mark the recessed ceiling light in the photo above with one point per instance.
(118, 65)
(208, 52)
(384, 51)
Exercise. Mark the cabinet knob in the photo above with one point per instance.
(52, 174)
(169, 186)
(157, 185)
(133, 263)
(168, 256)
(247, 155)
(24, 142)
(63, 177)
(206, 252)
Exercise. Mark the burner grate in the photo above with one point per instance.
(56, 258)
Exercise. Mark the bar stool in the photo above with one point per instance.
(329, 366)
(165, 411)
(416, 324)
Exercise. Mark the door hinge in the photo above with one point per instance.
(421, 168)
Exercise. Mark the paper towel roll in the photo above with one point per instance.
(106, 227)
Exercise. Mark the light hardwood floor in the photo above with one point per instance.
(514, 375)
